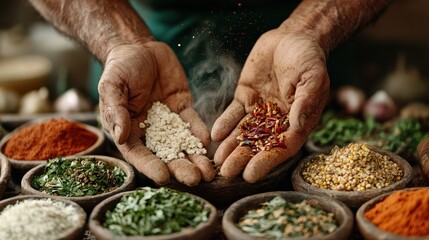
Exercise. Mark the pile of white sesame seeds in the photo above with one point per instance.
(168, 136)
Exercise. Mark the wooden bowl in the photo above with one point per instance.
(96, 220)
(86, 202)
(222, 191)
(5, 175)
(25, 165)
(73, 233)
(370, 231)
(342, 214)
(353, 199)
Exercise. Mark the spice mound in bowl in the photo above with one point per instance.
(352, 174)
(85, 180)
(155, 214)
(36, 217)
(5, 175)
(397, 215)
(287, 215)
(35, 142)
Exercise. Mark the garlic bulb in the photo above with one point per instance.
(405, 85)
(35, 101)
(72, 101)
(351, 99)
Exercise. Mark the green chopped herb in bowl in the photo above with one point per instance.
(150, 211)
(78, 177)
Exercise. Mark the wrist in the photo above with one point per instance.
(331, 22)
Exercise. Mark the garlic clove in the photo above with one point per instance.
(381, 107)
(351, 99)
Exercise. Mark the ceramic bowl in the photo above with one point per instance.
(5, 175)
(25, 165)
(353, 199)
(222, 191)
(86, 202)
(342, 214)
(96, 220)
(370, 231)
(73, 233)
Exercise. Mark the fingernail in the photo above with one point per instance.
(302, 119)
(117, 132)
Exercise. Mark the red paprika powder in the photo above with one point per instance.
(403, 213)
(49, 139)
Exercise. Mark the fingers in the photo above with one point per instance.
(144, 161)
(226, 147)
(198, 127)
(113, 110)
(204, 165)
(185, 171)
(236, 162)
(227, 121)
(263, 162)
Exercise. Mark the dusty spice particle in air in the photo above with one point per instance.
(262, 129)
(168, 136)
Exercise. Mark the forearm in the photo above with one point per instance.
(99, 25)
(331, 22)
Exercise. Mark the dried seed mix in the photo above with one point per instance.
(32, 219)
(354, 167)
(262, 129)
(279, 218)
(168, 136)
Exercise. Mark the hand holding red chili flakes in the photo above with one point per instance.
(262, 129)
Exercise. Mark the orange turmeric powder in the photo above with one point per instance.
(403, 213)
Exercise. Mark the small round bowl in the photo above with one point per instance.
(73, 233)
(370, 231)
(86, 202)
(25, 165)
(96, 220)
(5, 175)
(222, 191)
(342, 214)
(353, 199)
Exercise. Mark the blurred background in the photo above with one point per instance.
(39, 67)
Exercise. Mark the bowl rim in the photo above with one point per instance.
(75, 230)
(28, 164)
(299, 184)
(5, 174)
(363, 222)
(230, 214)
(126, 167)
(100, 209)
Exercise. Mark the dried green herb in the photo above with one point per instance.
(402, 135)
(279, 218)
(78, 177)
(151, 211)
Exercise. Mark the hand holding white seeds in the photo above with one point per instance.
(170, 138)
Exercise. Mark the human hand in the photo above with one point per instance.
(134, 77)
(286, 68)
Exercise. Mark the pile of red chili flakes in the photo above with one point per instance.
(262, 128)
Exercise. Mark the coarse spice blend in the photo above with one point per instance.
(82, 176)
(262, 129)
(279, 218)
(354, 167)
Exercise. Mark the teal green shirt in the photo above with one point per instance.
(206, 31)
